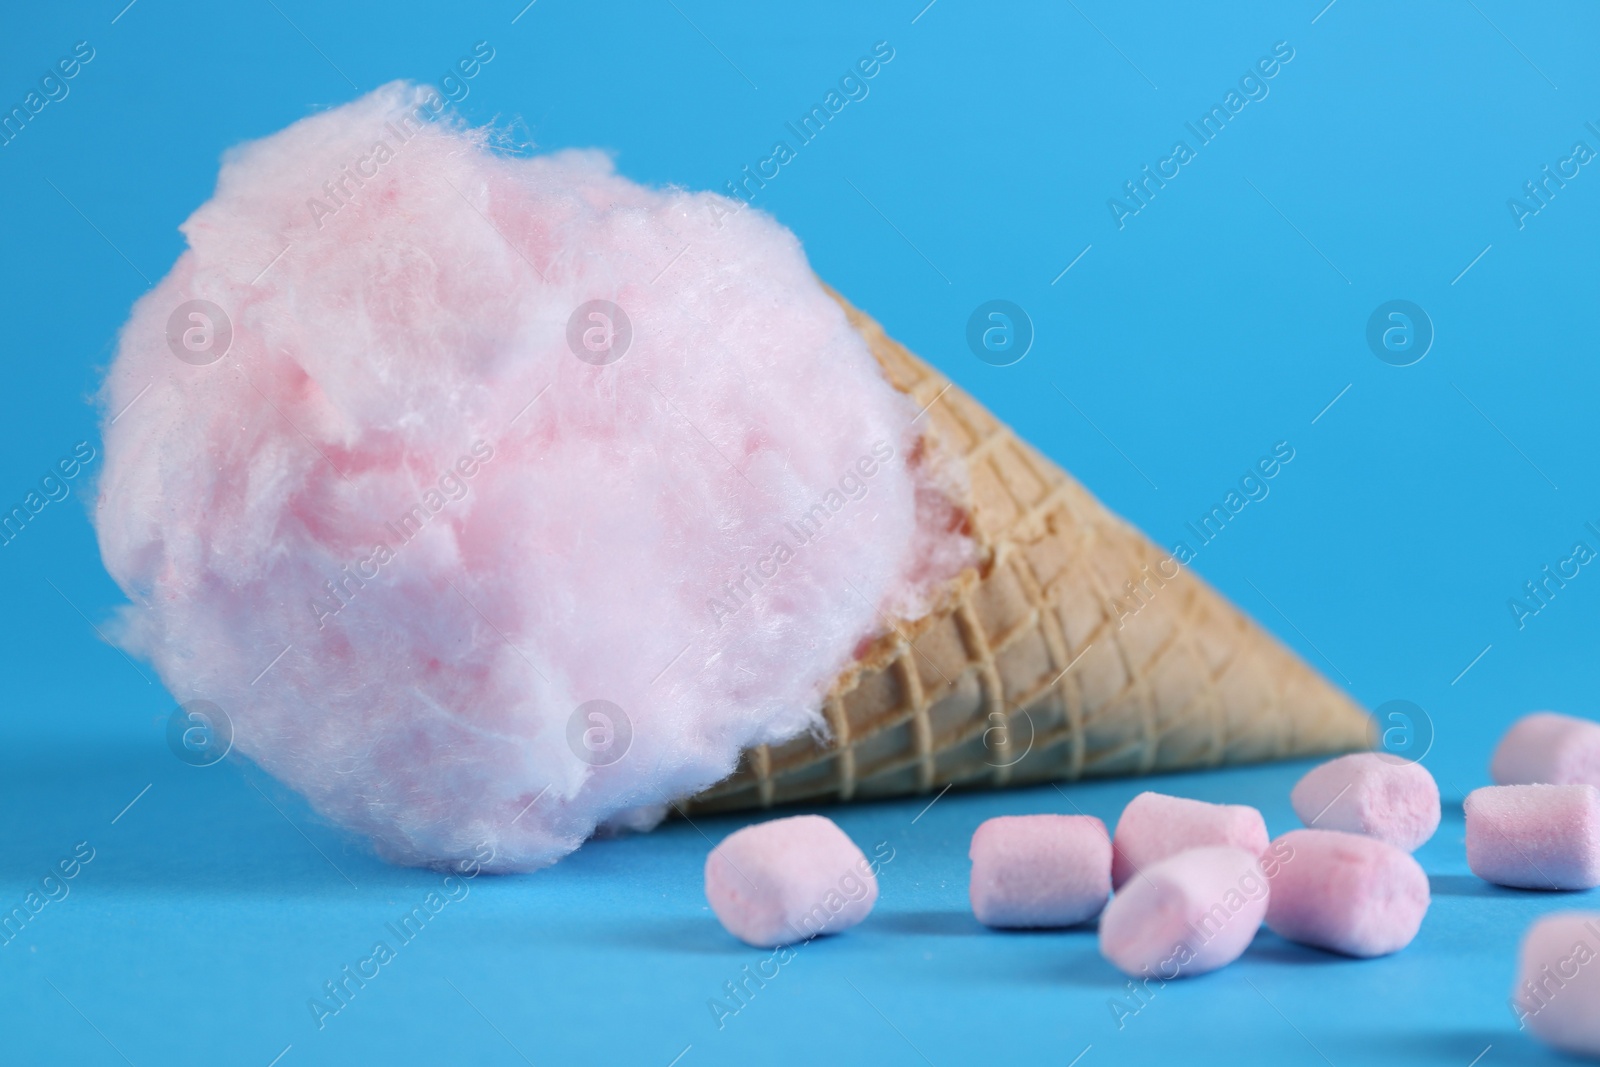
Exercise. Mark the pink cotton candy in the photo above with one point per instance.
(1370, 793)
(1186, 915)
(1535, 836)
(1154, 826)
(1549, 748)
(1345, 892)
(521, 498)
(1040, 870)
(1557, 992)
(789, 880)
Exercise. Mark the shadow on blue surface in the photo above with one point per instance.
(680, 937)
(1460, 1047)
(1271, 949)
(1464, 885)
(931, 923)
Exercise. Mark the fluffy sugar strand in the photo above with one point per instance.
(400, 532)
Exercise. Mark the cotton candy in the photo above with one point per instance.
(498, 498)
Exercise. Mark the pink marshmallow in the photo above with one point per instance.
(1557, 995)
(1345, 892)
(1549, 748)
(1186, 915)
(1370, 793)
(1535, 836)
(1154, 826)
(1040, 870)
(789, 880)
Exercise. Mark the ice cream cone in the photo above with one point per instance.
(1075, 648)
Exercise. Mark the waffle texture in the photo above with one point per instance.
(1076, 648)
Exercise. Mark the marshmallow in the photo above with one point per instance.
(1186, 915)
(1370, 793)
(789, 880)
(1344, 892)
(1557, 995)
(1040, 870)
(1154, 826)
(1535, 836)
(1549, 748)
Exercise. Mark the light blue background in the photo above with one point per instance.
(1224, 318)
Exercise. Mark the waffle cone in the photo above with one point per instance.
(1074, 648)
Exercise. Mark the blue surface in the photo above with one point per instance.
(1228, 314)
